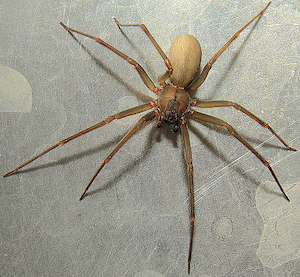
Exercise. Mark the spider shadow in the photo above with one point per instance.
(154, 136)
(232, 62)
(217, 153)
(131, 89)
(138, 51)
(268, 190)
(227, 161)
(77, 156)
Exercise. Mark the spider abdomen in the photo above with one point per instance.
(185, 56)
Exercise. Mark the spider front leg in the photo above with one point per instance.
(224, 103)
(189, 164)
(145, 118)
(168, 73)
(214, 120)
(198, 82)
(148, 82)
(119, 115)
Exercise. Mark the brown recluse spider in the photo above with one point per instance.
(174, 103)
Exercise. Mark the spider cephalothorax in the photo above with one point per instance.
(173, 102)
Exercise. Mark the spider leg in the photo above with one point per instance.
(148, 82)
(119, 115)
(223, 103)
(188, 159)
(168, 73)
(145, 118)
(198, 82)
(214, 120)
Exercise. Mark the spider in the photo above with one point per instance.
(173, 104)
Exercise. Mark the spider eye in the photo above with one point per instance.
(170, 117)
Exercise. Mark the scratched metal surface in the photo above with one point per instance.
(135, 221)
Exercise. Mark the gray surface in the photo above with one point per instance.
(135, 221)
